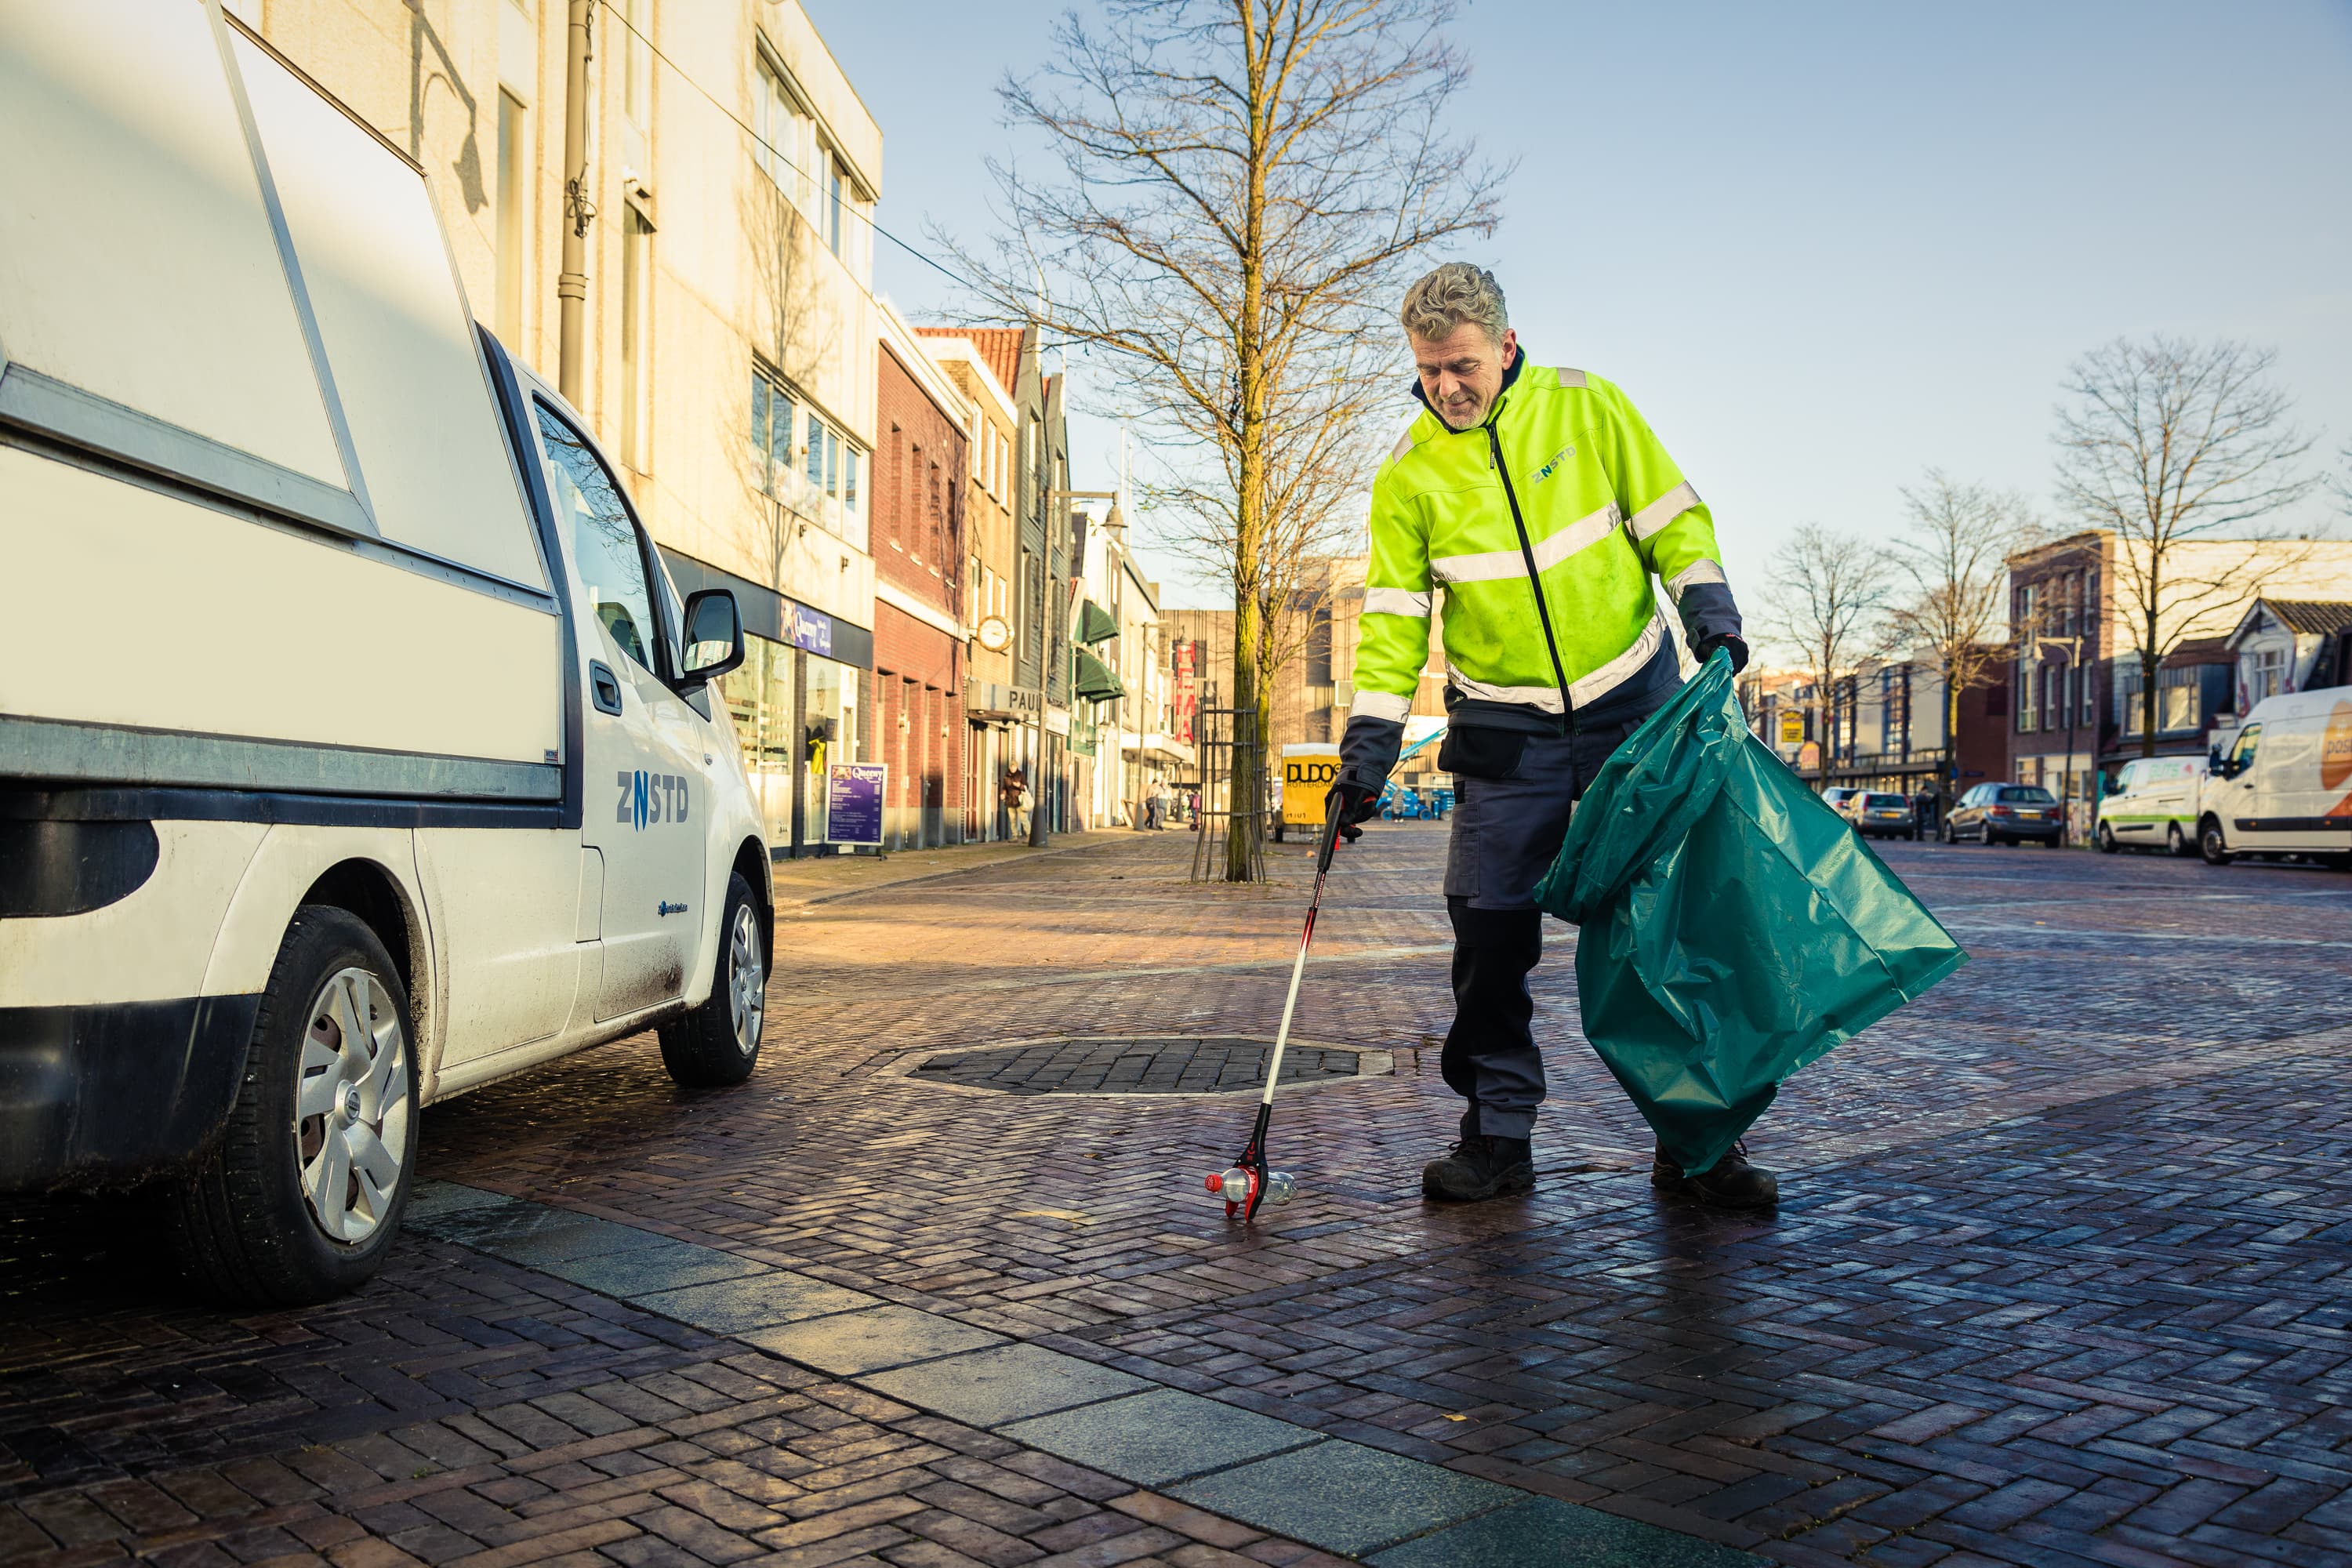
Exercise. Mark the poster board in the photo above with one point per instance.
(853, 802)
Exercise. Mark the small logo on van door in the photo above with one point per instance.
(648, 800)
(2335, 747)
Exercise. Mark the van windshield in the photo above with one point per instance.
(2026, 794)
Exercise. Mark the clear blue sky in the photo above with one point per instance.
(1822, 247)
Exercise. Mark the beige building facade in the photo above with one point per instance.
(729, 331)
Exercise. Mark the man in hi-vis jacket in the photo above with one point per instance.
(1514, 475)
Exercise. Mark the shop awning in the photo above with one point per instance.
(1095, 681)
(1094, 622)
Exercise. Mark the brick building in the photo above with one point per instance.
(921, 466)
(985, 363)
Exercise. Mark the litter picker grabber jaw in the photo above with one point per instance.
(1251, 1167)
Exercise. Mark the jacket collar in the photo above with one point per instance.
(1510, 373)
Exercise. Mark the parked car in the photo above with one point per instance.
(2283, 782)
(1836, 796)
(1877, 816)
(2152, 805)
(358, 750)
(2005, 813)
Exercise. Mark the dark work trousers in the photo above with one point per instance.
(1506, 833)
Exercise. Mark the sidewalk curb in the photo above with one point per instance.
(782, 906)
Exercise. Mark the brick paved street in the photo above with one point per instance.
(2056, 1276)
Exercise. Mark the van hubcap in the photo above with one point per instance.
(352, 1105)
(747, 997)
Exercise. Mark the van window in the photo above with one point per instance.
(603, 540)
(2134, 775)
(2249, 740)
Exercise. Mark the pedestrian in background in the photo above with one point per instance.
(1016, 802)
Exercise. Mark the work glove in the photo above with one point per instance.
(1729, 644)
(1368, 750)
(1353, 803)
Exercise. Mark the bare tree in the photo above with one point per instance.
(1237, 190)
(2168, 444)
(1826, 594)
(1955, 561)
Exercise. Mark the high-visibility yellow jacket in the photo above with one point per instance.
(1565, 476)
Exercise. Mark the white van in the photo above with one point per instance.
(2283, 782)
(356, 749)
(2152, 806)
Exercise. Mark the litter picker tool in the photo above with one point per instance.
(1249, 1184)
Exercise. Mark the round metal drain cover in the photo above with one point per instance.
(1147, 1064)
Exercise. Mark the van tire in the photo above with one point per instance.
(2211, 844)
(2176, 843)
(717, 1044)
(242, 1224)
(2106, 836)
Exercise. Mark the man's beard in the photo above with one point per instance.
(1467, 419)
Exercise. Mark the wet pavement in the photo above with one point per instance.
(2055, 1277)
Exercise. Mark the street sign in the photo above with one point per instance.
(853, 802)
(1793, 727)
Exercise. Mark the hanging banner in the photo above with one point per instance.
(1187, 699)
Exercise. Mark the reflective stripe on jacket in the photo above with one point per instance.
(1604, 509)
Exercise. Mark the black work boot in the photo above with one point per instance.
(1479, 1168)
(1733, 1184)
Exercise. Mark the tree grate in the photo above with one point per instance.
(1141, 1064)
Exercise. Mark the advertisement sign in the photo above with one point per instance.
(1187, 702)
(853, 802)
(1793, 727)
(808, 629)
(1308, 771)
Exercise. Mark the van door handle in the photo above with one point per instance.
(605, 687)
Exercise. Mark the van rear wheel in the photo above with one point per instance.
(717, 1044)
(302, 1199)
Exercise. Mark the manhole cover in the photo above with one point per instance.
(1165, 1064)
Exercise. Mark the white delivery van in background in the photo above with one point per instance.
(356, 749)
(2153, 805)
(2283, 782)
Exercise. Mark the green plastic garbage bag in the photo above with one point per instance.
(1735, 928)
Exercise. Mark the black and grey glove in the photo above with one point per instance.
(1730, 645)
(1368, 750)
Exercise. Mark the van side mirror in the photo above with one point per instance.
(714, 635)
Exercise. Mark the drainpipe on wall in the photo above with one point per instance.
(572, 282)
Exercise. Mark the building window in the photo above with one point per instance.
(637, 18)
(514, 198)
(2270, 674)
(829, 169)
(822, 477)
(2027, 720)
(783, 128)
(636, 300)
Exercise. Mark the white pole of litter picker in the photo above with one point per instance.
(1251, 1167)
(1298, 965)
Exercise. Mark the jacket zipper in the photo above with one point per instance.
(1534, 579)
